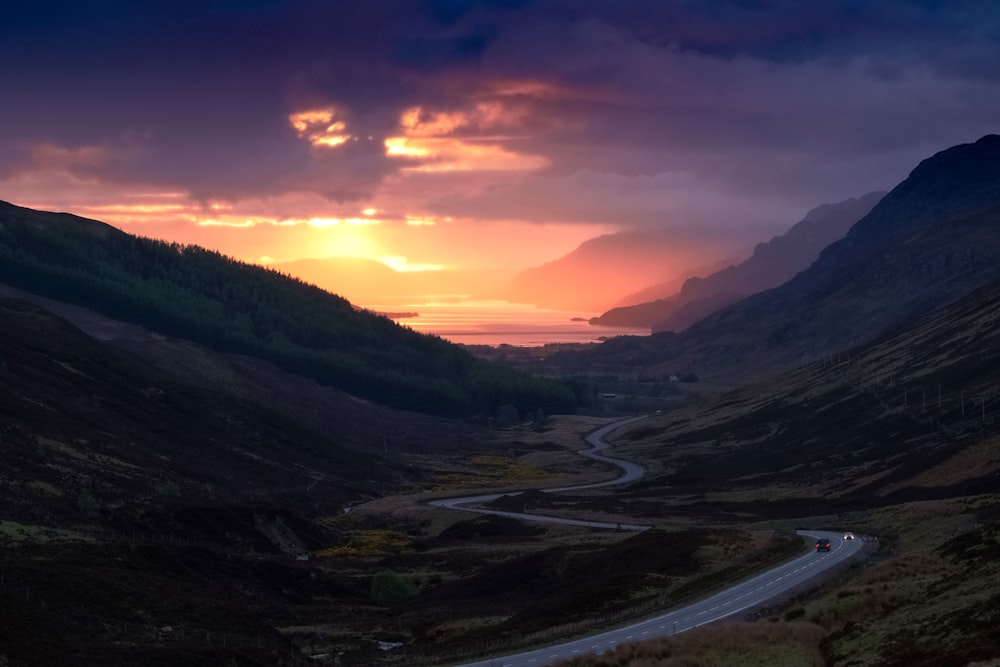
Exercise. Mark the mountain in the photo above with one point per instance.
(672, 287)
(771, 264)
(195, 294)
(933, 239)
(602, 270)
(131, 415)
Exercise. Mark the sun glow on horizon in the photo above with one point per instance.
(400, 265)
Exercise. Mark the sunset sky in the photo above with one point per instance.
(493, 133)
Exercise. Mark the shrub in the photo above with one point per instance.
(390, 588)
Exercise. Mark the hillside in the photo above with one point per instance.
(152, 483)
(898, 439)
(603, 270)
(772, 263)
(930, 241)
(192, 293)
(667, 289)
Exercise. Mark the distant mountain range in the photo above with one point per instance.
(605, 269)
(772, 263)
(671, 287)
(931, 240)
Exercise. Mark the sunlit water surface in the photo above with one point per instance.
(499, 322)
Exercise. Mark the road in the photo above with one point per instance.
(745, 595)
(630, 472)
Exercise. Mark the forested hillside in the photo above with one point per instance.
(190, 292)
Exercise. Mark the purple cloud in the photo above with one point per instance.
(633, 114)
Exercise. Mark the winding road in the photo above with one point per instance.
(740, 597)
(630, 472)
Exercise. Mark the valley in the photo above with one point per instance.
(210, 463)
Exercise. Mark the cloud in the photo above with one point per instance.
(642, 113)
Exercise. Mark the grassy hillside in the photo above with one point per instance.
(193, 293)
(898, 439)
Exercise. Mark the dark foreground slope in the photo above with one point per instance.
(164, 504)
(156, 496)
(192, 293)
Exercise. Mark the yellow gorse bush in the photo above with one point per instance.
(370, 544)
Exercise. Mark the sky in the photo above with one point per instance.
(491, 134)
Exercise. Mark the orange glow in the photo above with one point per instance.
(349, 242)
(207, 222)
(331, 222)
(448, 154)
(400, 146)
(136, 208)
(318, 127)
(400, 264)
(413, 122)
(456, 155)
(330, 141)
(427, 135)
(306, 120)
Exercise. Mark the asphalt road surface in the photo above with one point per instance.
(630, 473)
(745, 595)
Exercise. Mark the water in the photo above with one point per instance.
(498, 322)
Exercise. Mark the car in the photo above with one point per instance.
(848, 536)
(822, 544)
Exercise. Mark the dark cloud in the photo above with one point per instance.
(768, 101)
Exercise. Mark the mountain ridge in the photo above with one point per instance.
(604, 269)
(190, 292)
(771, 263)
(931, 240)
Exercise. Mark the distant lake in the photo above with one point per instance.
(498, 322)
